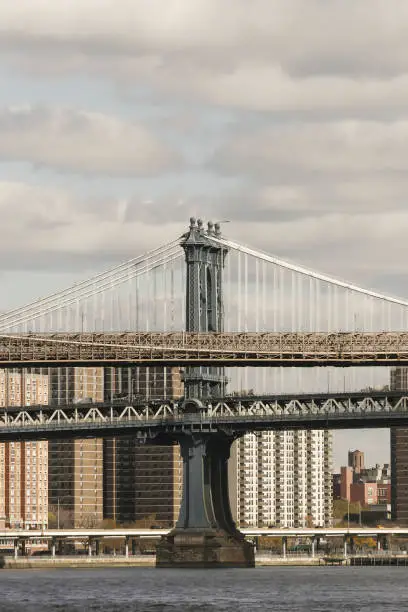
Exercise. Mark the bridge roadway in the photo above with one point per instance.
(232, 415)
(226, 349)
(320, 532)
(20, 537)
(91, 536)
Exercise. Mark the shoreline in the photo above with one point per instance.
(132, 561)
(79, 563)
(83, 562)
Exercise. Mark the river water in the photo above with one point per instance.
(312, 589)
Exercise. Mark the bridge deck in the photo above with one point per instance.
(180, 348)
(151, 420)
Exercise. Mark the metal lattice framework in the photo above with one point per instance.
(148, 420)
(320, 321)
(181, 348)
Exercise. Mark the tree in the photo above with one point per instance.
(52, 520)
(309, 521)
(60, 517)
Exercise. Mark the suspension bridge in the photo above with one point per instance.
(208, 304)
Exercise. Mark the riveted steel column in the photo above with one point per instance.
(205, 534)
(204, 302)
(205, 502)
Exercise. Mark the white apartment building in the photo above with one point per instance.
(282, 478)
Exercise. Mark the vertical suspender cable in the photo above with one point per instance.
(281, 321)
(148, 297)
(311, 308)
(263, 327)
(165, 297)
(239, 317)
(172, 305)
(246, 312)
(275, 297)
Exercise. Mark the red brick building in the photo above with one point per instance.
(365, 493)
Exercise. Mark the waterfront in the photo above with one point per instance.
(281, 589)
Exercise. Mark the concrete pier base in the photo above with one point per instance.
(190, 548)
(205, 534)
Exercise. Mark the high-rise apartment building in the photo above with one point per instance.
(76, 466)
(282, 478)
(76, 481)
(2, 486)
(93, 478)
(142, 482)
(399, 456)
(69, 385)
(23, 465)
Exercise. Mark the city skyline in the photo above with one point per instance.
(292, 135)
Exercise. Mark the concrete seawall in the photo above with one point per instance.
(84, 561)
(78, 562)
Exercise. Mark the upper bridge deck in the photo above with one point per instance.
(206, 349)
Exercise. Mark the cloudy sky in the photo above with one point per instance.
(121, 118)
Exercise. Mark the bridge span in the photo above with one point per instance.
(301, 349)
(219, 291)
(168, 420)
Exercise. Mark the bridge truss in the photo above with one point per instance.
(184, 348)
(235, 415)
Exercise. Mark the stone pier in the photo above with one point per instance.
(205, 534)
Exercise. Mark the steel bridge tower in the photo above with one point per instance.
(205, 260)
(205, 534)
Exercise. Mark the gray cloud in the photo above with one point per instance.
(339, 148)
(339, 55)
(56, 228)
(348, 36)
(82, 142)
(293, 183)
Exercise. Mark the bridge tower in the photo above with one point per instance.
(205, 534)
(205, 261)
